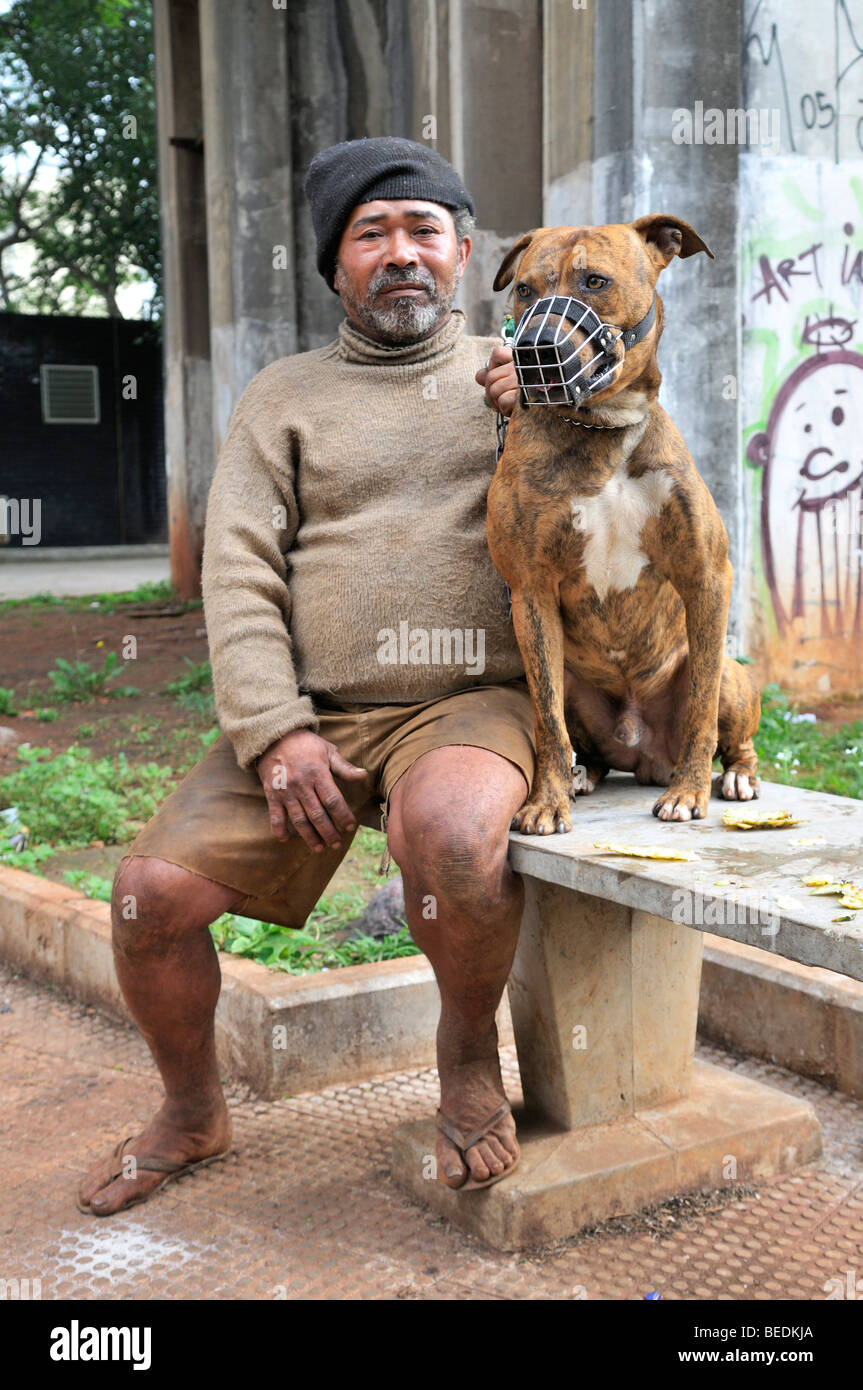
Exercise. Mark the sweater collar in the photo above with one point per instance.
(354, 346)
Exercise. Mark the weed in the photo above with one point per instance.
(314, 946)
(800, 753)
(75, 681)
(71, 799)
(92, 885)
(7, 700)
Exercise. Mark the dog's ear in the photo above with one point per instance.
(507, 265)
(667, 237)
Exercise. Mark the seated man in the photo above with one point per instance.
(362, 650)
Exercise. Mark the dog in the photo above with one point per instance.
(612, 546)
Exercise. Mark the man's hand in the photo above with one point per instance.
(297, 777)
(499, 380)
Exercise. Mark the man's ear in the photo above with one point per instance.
(667, 237)
(507, 265)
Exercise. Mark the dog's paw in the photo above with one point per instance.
(543, 816)
(682, 802)
(736, 786)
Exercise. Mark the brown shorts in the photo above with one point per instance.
(216, 823)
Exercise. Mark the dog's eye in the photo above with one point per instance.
(523, 291)
(595, 282)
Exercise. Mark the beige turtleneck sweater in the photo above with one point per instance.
(345, 550)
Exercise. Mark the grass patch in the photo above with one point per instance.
(158, 591)
(69, 799)
(7, 701)
(194, 690)
(820, 757)
(316, 946)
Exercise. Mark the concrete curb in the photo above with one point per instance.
(277, 1033)
(800, 1016)
(281, 1034)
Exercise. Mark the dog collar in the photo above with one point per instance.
(585, 426)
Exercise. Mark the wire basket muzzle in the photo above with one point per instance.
(548, 350)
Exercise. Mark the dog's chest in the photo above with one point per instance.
(612, 522)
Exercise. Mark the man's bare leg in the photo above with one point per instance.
(169, 974)
(448, 830)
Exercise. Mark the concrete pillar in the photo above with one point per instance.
(247, 137)
(188, 431)
(604, 1005)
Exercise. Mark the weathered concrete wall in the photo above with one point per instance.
(247, 142)
(801, 274)
(188, 380)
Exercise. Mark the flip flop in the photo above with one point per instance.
(465, 1142)
(171, 1169)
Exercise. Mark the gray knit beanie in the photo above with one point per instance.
(358, 171)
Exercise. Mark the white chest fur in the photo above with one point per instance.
(612, 523)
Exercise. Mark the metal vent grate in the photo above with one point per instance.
(70, 395)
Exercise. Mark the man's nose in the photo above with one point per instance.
(401, 250)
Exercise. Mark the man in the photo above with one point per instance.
(362, 651)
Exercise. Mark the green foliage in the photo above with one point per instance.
(47, 716)
(152, 591)
(313, 947)
(27, 860)
(92, 885)
(77, 101)
(86, 730)
(70, 799)
(198, 677)
(194, 690)
(74, 681)
(7, 700)
(821, 757)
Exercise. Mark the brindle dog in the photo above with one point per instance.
(615, 553)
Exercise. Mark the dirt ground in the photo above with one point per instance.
(33, 639)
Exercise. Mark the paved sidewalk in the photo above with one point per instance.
(90, 570)
(305, 1207)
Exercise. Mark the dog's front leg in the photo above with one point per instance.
(706, 603)
(539, 632)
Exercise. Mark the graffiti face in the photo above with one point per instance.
(812, 510)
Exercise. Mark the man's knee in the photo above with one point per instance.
(154, 897)
(449, 850)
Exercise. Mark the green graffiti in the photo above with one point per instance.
(795, 197)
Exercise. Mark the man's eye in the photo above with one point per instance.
(595, 282)
(523, 291)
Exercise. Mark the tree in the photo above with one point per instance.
(77, 153)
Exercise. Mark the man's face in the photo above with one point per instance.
(398, 266)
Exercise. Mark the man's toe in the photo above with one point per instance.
(123, 1192)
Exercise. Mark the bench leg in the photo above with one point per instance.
(617, 1116)
(604, 1005)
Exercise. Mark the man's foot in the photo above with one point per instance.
(471, 1093)
(168, 1137)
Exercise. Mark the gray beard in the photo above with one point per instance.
(403, 320)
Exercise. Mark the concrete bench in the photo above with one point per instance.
(604, 998)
